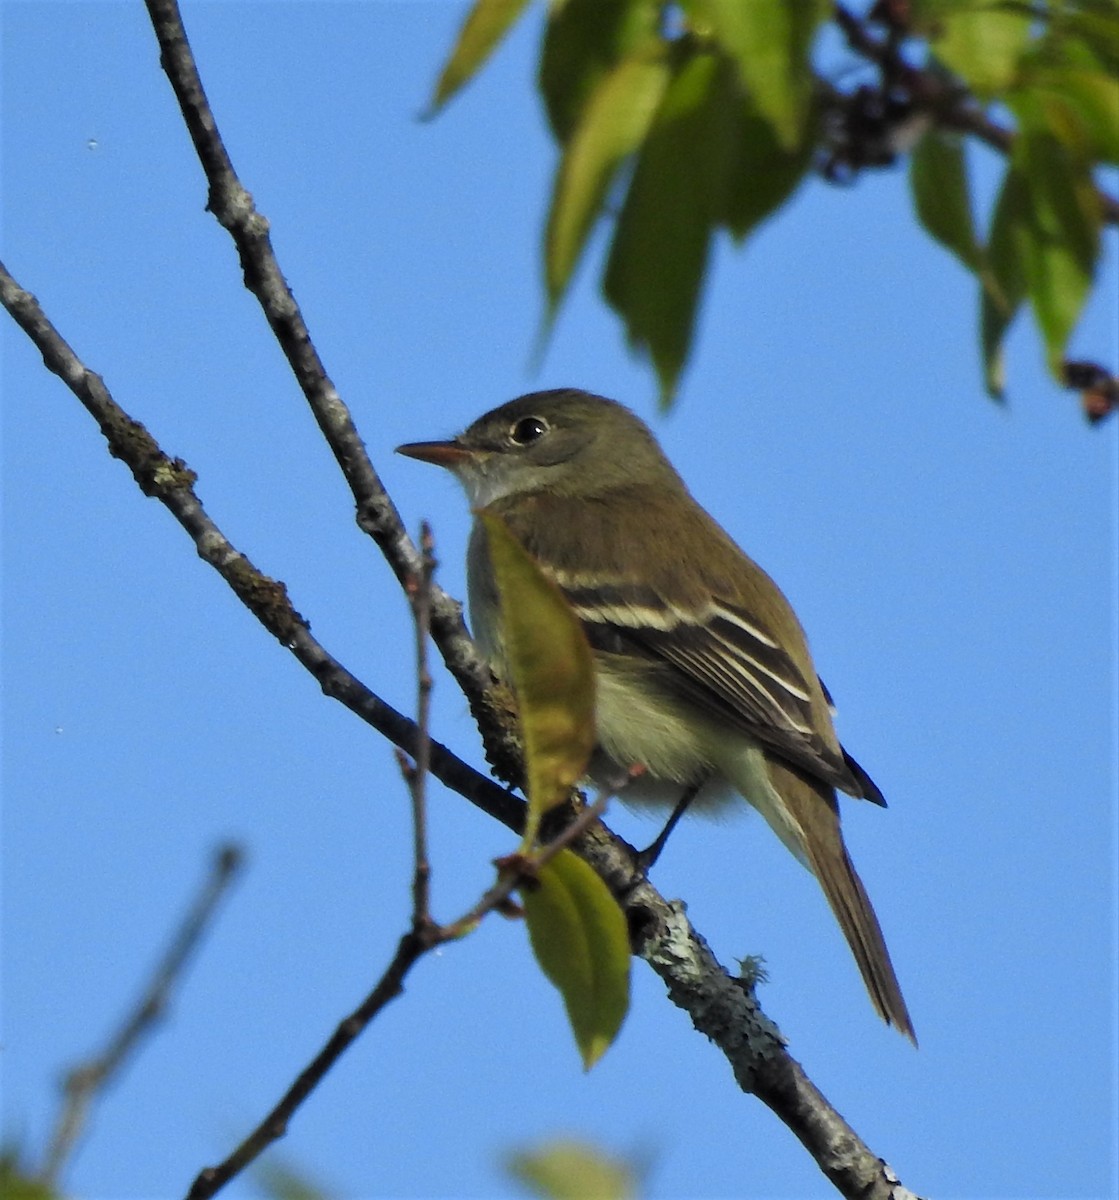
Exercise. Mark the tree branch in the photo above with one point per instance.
(232, 205)
(171, 481)
(720, 1006)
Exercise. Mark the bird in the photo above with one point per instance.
(705, 688)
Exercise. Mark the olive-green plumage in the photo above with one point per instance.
(703, 673)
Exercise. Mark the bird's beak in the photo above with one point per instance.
(442, 454)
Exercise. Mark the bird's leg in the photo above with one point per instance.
(648, 856)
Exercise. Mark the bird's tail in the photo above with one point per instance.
(813, 807)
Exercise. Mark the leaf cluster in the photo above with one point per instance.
(676, 121)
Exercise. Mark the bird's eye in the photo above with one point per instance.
(528, 429)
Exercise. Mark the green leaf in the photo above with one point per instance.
(742, 160)
(485, 25)
(552, 673)
(18, 1182)
(583, 41)
(614, 122)
(580, 940)
(1061, 245)
(1096, 30)
(1004, 256)
(569, 1170)
(942, 198)
(659, 251)
(279, 1180)
(771, 42)
(982, 42)
(1081, 109)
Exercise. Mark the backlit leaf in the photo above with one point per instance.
(770, 40)
(938, 179)
(552, 673)
(983, 42)
(1004, 257)
(1081, 109)
(485, 25)
(580, 940)
(615, 119)
(570, 1170)
(745, 165)
(584, 40)
(1060, 250)
(659, 252)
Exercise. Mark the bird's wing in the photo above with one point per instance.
(725, 663)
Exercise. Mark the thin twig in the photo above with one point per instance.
(718, 1004)
(233, 206)
(86, 1081)
(390, 985)
(420, 597)
(420, 939)
(171, 481)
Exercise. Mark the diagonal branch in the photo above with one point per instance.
(233, 206)
(171, 481)
(720, 1006)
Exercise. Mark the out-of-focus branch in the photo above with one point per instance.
(86, 1081)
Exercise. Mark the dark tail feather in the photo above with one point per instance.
(814, 806)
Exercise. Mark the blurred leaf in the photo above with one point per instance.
(615, 120)
(552, 673)
(583, 41)
(771, 41)
(485, 25)
(281, 1181)
(1095, 26)
(659, 251)
(1004, 256)
(941, 196)
(570, 1170)
(17, 1181)
(982, 43)
(580, 940)
(1082, 110)
(747, 167)
(1062, 246)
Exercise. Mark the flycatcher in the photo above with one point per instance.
(703, 677)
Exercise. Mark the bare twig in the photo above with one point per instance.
(410, 948)
(422, 937)
(419, 593)
(718, 1004)
(84, 1082)
(233, 207)
(171, 481)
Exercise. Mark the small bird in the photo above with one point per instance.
(704, 684)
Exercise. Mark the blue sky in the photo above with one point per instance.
(954, 563)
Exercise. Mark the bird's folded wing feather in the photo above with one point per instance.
(725, 663)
